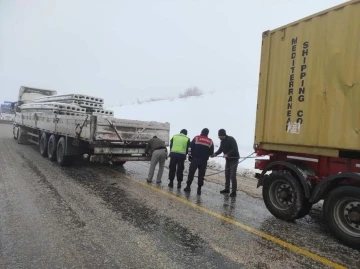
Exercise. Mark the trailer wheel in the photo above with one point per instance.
(43, 145)
(342, 215)
(306, 207)
(283, 195)
(62, 159)
(51, 149)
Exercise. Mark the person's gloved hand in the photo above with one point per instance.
(189, 158)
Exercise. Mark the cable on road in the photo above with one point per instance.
(242, 159)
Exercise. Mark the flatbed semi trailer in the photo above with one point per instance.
(94, 137)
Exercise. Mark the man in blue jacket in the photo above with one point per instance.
(229, 147)
(201, 148)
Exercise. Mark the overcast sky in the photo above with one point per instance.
(124, 50)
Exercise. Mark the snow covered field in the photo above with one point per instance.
(232, 110)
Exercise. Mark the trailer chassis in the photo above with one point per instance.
(293, 182)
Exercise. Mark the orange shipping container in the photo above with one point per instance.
(309, 88)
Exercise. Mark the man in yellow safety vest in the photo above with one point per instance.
(179, 146)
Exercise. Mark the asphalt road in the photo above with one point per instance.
(93, 216)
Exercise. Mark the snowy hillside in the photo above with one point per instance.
(232, 110)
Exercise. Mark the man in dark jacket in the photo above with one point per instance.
(158, 152)
(201, 149)
(229, 147)
(179, 147)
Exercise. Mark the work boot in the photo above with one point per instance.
(171, 184)
(233, 194)
(225, 191)
(199, 191)
(187, 189)
(179, 185)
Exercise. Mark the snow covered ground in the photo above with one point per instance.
(232, 110)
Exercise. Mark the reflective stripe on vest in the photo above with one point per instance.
(180, 143)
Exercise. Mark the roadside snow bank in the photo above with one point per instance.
(232, 110)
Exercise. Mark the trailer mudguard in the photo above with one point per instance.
(300, 172)
(322, 188)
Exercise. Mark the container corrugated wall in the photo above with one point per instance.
(309, 90)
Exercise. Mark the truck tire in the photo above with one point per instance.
(283, 195)
(120, 163)
(21, 136)
(61, 158)
(18, 135)
(306, 207)
(14, 134)
(43, 145)
(51, 148)
(342, 214)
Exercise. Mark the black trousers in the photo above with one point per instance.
(195, 165)
(176, 166)
(230, 174)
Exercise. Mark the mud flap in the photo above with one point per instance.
(260, 179)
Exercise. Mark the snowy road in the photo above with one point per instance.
(96, 217)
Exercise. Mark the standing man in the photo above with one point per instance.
(229, 147)
(201, 149)
(158, 152)
(179, 146)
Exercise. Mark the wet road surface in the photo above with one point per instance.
(89, 216)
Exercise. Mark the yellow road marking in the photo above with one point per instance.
(271, 238)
